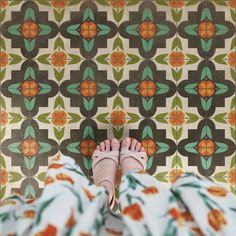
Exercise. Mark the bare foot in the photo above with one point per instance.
(105, 161)
(132, 156)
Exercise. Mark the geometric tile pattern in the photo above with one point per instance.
(73, 72)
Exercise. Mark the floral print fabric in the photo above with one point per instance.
(71, 205)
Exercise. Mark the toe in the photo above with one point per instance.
(142, 149)
(107, 145)
(126, 143)
(133, 144)
(138, 146)
(115, 144)
(102, 146)
(98, 147)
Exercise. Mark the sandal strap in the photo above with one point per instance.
(99, 156)
(141, 157)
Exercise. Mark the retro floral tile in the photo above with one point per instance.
(73, 72)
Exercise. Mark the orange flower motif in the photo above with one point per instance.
(150, 190)
(71, 221)
(3, 176)
(150, 146)
(48, 180)
(88, 194)
(232, 59)
(118, 3)
(59, 118)
(59, 59)
(49, 230)
(29, 29)
(232, 118)
(3, 59)
(59, 3)
(176, 118)
(217, 191)
(176, 59)
(216, 219)
(29, 214)
(113, 232)
(206, 29)
(232, 3)
(198, 231)
(55, 166)
(88, 30)
(147, 29)
(64, 177)
(84, 234)
(29, 147)
(29, 88)
(174, 174)
(7, 202)
(87, 147)
(206, 147)
(117, 59)
(3, 118)
(3, 3)
(175, 213)
(177, 3)
(147, 88)
(118, 117)
(187, 216)
(88, 88)
(232, 177)
(133, 211)
(206, 88)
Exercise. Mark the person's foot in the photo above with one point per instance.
(132, 155)
(105, 163)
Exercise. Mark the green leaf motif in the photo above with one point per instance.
(59, 133)
(103, 118)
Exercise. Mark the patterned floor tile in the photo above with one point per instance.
(73, 72)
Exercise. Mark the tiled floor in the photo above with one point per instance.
(75, 72)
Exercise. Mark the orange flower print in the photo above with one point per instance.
(118, 117)
(84, 234)
(29, 88)
(48, 180)
(64, 177)
(232, 177)
(176, 59)
(197, 231)
(217, 191)
(206, 147)
(87, 147)
(174, 174)
(29, 147)
(29, 30)
(59, 118)
(59, 3)
(71, 220)
(232, 3)
(147, 29)
(3, 59)
(59, 59)
(232, 59)
(55, 166)
(150, 190)
(89, 195)
(117, 59)
(88, 30)
(29, 214)
(176, 118)
(206, 29)
(7, 202)
(49, 230)
(187, 216)
(150, 146)
(3, 176)
(113, 232)
(176, 214)
(88, 88)
(206, 88)
(3, 118)
(147, 88)
(232, 118)
(133, 211)
(118, 3)
(177, 3)
(216, 219)
(3, 3)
